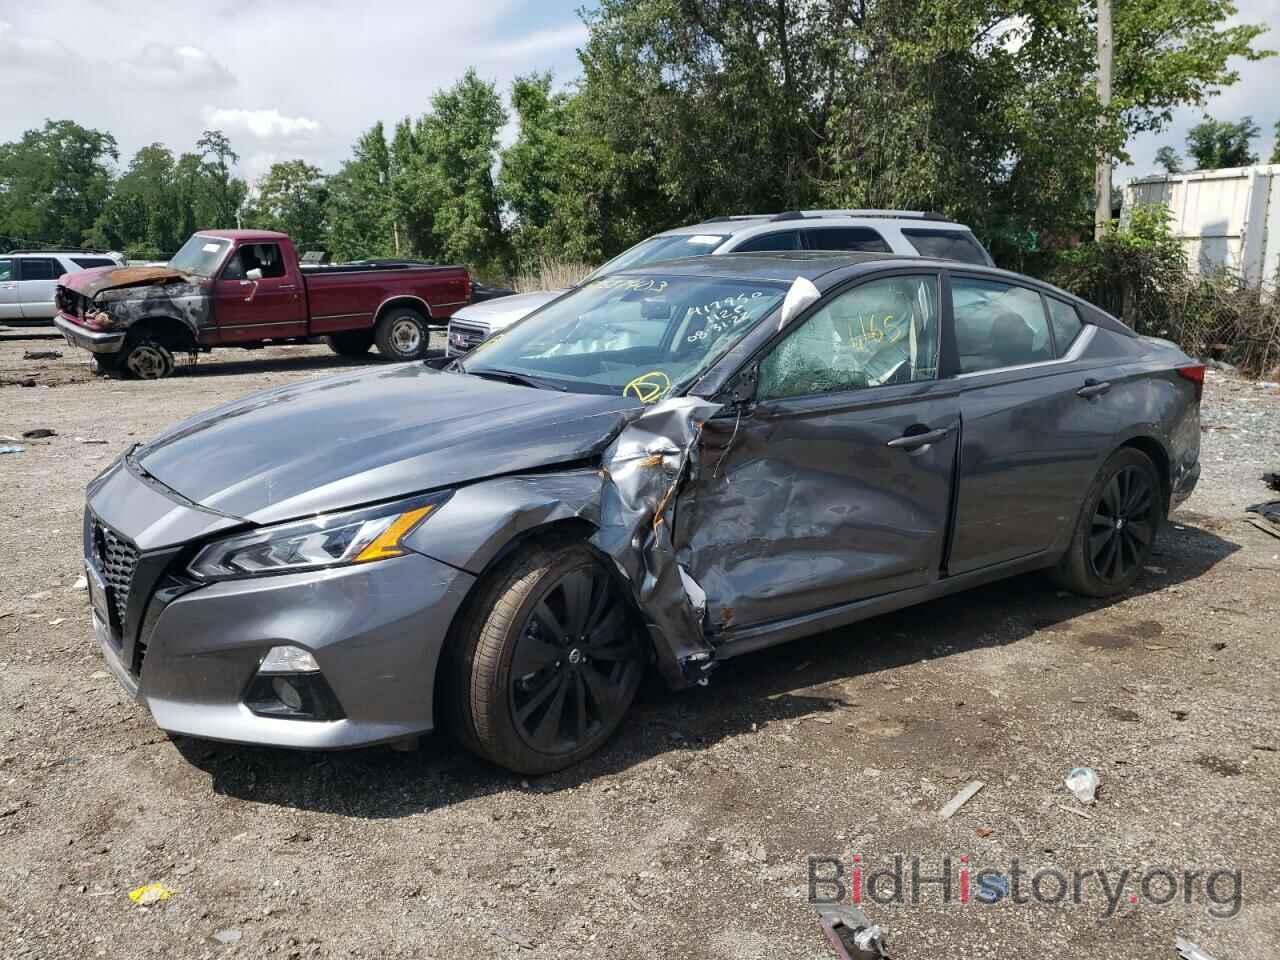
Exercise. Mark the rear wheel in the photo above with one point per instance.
(1117, 527)
(350, 343)
(402, 334)
(547, 663)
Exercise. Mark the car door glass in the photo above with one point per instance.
(946, 244)
(998, 325)
(255, 256)
(1066, 324)
(879, 333)
(862, 239)
(6, 270)
(39, 268)
(783, 240)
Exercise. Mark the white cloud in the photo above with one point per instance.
(169, 67)
(262, 124)
(27, 51)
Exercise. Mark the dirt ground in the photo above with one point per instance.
(690, 834)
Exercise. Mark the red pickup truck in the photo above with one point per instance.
(245, 288)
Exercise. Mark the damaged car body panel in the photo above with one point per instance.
(741, 472)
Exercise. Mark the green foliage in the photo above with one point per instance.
(1167, 158)
(1216, 144)
(54, 183)
(1275, 150)
(292, 198)
(361, 215)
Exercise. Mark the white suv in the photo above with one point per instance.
(29, 279)
(908, 232)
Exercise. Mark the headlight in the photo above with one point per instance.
(327, 540)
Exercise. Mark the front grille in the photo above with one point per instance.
(465, 336)
(117, 558)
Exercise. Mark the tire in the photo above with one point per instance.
(1117, 528)
(526, 690)
(350, 343)
(146, 359)
(402, 334)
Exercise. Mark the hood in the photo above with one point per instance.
(343, 441)
(503, 311)
(90, 283)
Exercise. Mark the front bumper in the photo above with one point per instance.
(189, 652)
(95, 341)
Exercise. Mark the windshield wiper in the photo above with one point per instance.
(508, 376)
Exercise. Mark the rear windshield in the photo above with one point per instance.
(200, 255)
(946, 245)
(90, 262)
(661, 248)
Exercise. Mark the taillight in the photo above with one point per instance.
(1194, 373)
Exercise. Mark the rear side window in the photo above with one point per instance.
(998, 325)
(6, 270)
(946, 244)
(1066, 324)
(783, 240)
(90, 262)
(862, 239)
(38, 268)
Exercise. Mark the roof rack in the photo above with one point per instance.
(819, 214)
(9, 253)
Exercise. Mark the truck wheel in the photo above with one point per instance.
(350, 343)
(545, 663)
(402, 334)
(147, 359)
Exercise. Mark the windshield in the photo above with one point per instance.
(660, 248)
(200, 255)
(641, 337)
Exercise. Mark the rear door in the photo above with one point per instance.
(249, 308)
(9, 309)
(37, 284)
(835, 485)
(1030, 441)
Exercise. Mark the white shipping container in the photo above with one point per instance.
(1224, 218)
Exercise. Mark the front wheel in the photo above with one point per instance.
(402, 334)
(147, 359)
(1117, 528)
(547, 662)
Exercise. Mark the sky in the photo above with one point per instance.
(287, 78)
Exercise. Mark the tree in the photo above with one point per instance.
(225, 193)
(361, 212)
(54, 183)
(143, 215)
(1215, 144)
(1168, 158)
(292, 198)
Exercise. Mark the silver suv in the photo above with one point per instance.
(909, 232)
(29, 279)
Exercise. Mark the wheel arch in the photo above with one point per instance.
(1153, 448)
(170, 331)
(402, 300)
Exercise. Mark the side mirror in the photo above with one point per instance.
(743, 388)
(254, 274)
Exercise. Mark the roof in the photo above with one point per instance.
(244, 234)
(784, 267)
(814, 218)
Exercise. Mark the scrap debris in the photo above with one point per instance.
(39, 433)
(851, 934)
(961, 798)
(1189, 951)
(1268, 517)
(1083, 783)
(150, 893)
(41, 355)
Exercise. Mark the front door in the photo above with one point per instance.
(248, 308)
(835, 485)
(37, 285)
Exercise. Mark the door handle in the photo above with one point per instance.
(913, 441)
(253, 292)
(1093, 388)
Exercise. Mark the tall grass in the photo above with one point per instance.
(549, 274)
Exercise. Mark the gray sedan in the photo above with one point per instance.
(665, 468)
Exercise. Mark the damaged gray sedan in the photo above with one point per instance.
(668, 466)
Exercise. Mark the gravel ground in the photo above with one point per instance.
(690, 834)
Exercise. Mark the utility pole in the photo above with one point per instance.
(1102, 179)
